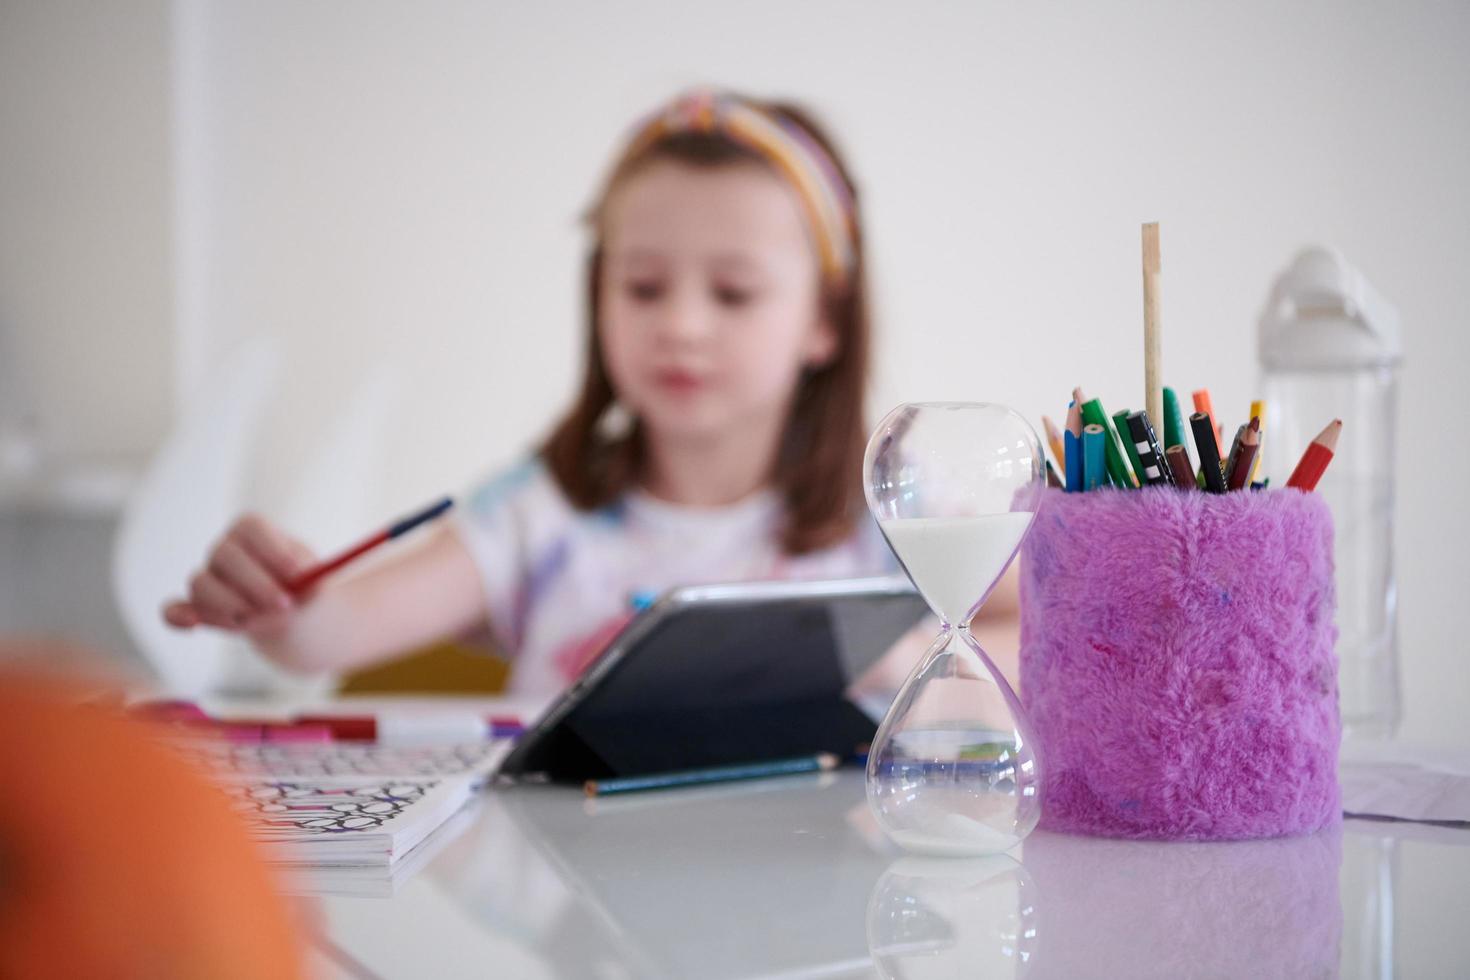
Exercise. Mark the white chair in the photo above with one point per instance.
(195, 486)
(329, 506)
(189, 493)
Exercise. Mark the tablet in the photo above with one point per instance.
(722, 674)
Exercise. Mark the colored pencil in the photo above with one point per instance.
(1072, 464)
(1094, 467)
(1155, 471)
(1093, 413)
(1209, 455)
(316, 573)
(1054, 439)
(1173, 421)
(1258, 411)
(1202, 404)
(1120, 423)
(1245, 460)
(1314, 461)
(1052, 480)
(821, 762)
(1180, 466)
(1229, 464)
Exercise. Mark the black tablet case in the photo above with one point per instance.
(736, 685)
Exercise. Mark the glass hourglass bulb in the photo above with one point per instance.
(954, 487)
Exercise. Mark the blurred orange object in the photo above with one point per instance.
(119, 860)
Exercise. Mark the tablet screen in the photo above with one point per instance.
(716, 676)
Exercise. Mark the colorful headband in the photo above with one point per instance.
(787, 146)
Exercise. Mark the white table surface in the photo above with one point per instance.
(789, 877)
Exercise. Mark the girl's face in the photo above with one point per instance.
(710, 299)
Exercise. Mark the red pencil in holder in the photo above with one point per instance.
(1314, 461)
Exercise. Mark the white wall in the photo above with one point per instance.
(402, 182)
(86, 343)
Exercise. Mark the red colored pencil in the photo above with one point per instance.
(1245, 460)
(1183, 470)
(1314, 461)
(319, 571)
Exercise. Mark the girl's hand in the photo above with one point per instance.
(242, 587)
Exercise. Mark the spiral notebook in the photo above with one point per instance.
(345, 805)
(334, 823)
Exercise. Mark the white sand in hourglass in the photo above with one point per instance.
(954, 487)
(956, 835)
(954, 560)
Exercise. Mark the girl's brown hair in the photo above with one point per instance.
(819, 464)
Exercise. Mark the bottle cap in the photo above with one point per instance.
(1321, 314)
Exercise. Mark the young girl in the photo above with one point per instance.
(718, 434)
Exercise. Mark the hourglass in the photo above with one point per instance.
(954, 487)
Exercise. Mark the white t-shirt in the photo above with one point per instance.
(560, 582)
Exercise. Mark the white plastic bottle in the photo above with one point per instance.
(1329, 347)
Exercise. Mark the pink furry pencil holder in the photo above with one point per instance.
(1177, 663)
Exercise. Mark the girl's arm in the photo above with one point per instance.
(423, 592)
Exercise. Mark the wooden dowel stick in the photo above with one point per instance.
(1153, 327)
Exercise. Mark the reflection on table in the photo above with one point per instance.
(790, 878)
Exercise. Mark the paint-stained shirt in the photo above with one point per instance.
(560, 582)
